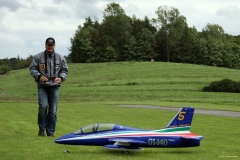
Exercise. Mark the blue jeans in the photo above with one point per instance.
(48, 104)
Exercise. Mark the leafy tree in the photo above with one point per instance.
(200, 49)
(81, 49)
(171, 25)
(88, 22)
(115, 28)
(149, 25)
(220, 47)
(145, 45)
(128, 50)
(5, 61)
(186, 51)
(110, 54)
(138, 25)
(113, 10)
(231, 53)
(214, 34)
(4, 69)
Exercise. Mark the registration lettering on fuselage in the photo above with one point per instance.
(157, 142)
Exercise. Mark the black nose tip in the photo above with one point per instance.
(57, 140)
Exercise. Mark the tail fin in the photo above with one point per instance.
(183, 118)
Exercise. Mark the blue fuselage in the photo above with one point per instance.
(145, 139)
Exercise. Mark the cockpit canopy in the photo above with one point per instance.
(95, 128)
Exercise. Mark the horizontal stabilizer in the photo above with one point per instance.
(115, 147)
(192, 138)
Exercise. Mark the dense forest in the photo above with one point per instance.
(166, 38)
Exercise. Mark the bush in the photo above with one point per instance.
(225, 85)
(4, 69)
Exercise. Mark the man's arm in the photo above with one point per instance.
(64, 69)
(34, 69)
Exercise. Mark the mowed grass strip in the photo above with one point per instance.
(127, 81)
(19, 129)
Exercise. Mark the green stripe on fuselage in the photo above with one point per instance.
(166, 130)
(174, 129)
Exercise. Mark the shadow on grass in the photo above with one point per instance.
(100, 152)
(181, 152)
(112, 152)
(154, 151)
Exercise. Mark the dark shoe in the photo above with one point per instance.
(41, 133)
(50, 135)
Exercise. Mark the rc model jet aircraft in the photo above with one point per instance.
(123, 138)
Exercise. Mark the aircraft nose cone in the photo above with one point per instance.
(58, 140)
(66, 139)
(62, 139)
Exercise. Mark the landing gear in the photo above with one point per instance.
(65, 149)
(126, 152)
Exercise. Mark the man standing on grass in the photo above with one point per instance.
(49, 69)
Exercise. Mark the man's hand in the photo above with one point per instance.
(58, 80)
(43, 79)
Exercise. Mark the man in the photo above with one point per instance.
(49, 69)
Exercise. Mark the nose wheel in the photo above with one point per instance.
(65, 149)
(126, 152)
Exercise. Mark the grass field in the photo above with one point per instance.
(129, 81)
(89, 94)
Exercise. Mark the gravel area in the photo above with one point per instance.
(197, 111)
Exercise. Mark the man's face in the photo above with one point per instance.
(50, 48)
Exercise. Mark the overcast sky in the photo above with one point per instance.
(25, 24)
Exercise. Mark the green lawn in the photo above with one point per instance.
(128, 81)
(19, 138)
(89, 96)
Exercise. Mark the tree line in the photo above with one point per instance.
(167, 38)
(14, 63)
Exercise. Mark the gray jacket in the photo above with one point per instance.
(43, 64)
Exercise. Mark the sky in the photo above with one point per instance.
(26, 24)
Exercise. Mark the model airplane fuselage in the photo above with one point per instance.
(119, 137)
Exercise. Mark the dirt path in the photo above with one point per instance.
(197, 111)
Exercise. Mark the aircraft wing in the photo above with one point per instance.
(124, 144)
